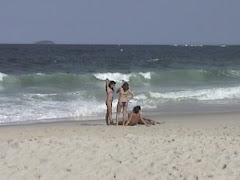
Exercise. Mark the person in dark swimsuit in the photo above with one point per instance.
(110, 91)
(123, 100)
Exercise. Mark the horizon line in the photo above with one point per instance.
(126, 44)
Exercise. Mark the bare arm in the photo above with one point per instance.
(107, 83)
(129, 120)
(132, 95)
(144, 122)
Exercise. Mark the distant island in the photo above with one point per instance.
(45, 42)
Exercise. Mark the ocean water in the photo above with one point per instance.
(46, 82)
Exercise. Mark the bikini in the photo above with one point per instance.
(124, 103)
(111, 92)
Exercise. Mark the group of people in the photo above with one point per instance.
(135, 117)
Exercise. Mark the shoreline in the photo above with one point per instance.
(150, 115)
(166, 110)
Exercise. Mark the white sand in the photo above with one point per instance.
(183, 148)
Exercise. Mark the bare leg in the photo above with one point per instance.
(106, 117)
(109, 112)
(118, 113)
(149, 121)
(124, 113)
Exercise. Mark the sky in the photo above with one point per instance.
(120, 21)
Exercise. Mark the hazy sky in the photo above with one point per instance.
(120, 21)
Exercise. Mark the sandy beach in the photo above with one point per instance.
(201, 146)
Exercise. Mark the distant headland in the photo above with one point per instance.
(44, 42)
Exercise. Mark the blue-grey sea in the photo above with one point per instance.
(46, 82)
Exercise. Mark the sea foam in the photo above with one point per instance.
(2, 75)
(200, 95)
(119, 77)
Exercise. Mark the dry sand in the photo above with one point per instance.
(185, 147)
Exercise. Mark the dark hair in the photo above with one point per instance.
(111, 83)
(125, 86)
(136, 109)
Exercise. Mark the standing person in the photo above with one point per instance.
(109, 90)
(123, 101)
